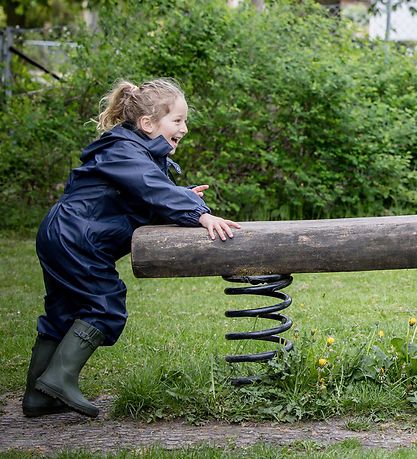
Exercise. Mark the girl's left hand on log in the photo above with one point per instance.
(218, 225)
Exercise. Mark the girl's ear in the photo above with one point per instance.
(145, 124)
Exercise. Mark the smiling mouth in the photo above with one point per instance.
(175, 140)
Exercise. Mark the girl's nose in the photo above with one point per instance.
(184, 128)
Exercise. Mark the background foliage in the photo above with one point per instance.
(293, 118)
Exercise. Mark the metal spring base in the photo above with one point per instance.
(265, 286)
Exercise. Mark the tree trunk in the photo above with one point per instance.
(13, 19)
(333, 6)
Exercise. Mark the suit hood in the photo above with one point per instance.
(158, 147)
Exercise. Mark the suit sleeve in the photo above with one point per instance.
(133, 171)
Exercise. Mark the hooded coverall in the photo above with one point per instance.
(121, 184)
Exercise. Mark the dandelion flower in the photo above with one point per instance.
(412, 321)
(322, 362)
(381, 333)
(330, 340)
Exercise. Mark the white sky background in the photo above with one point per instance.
(403, 24)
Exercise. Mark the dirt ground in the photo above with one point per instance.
(71, 431)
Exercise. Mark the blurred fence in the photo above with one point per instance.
(45, 53)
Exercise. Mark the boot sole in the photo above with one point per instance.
(37, 411)
(55, 393)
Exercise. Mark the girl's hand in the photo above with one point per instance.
(199, 190)
(219, 225)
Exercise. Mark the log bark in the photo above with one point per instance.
(278, 247)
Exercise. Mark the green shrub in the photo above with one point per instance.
(292, 119)
(39, 145)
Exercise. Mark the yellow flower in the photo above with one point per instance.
(330, 340)
(381, 333)
(322, 362)
(412, 321)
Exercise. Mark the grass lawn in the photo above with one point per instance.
(169, 361)
(307, 450)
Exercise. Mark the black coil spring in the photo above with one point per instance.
(266, 286)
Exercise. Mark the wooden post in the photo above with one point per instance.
(6, 43)
(303, 246)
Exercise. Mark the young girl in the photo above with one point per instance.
(121, 184)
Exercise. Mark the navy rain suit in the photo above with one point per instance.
(122, 184)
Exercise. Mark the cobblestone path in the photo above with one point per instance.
(71, 431)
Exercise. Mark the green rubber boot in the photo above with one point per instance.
(60, 379)
(36, 403)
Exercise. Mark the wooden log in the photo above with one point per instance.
(278, 247)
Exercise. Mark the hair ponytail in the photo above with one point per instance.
(115, 105)
(128, 102)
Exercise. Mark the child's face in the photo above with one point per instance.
(173, 126)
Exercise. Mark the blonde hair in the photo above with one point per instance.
(127, 102)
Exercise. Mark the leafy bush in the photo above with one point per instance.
(293, 118)
(39, 144)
